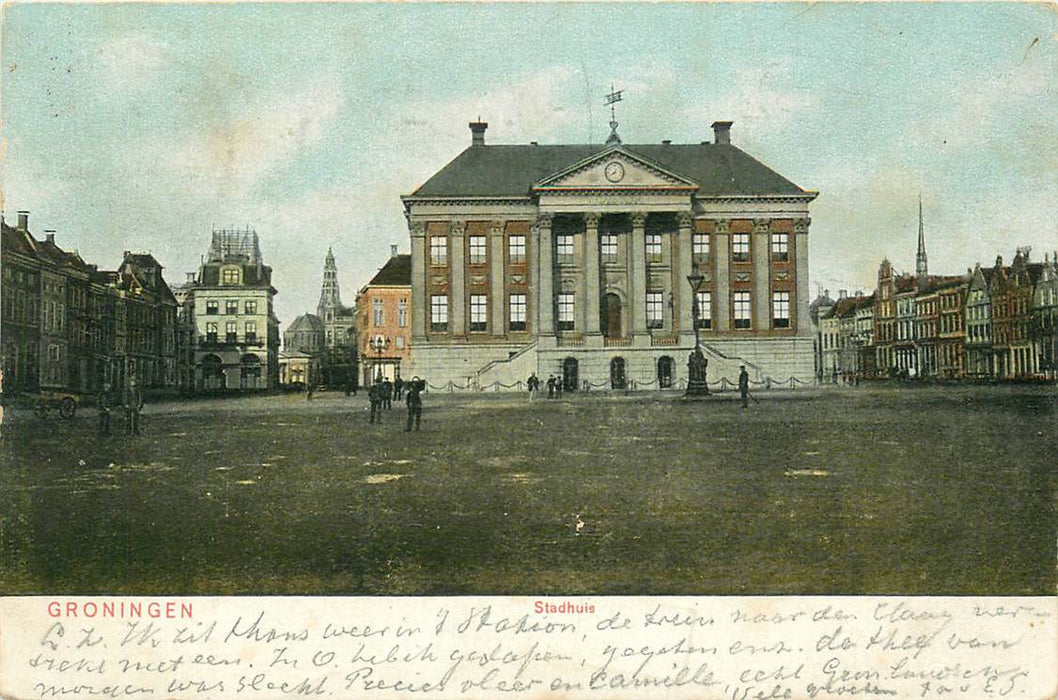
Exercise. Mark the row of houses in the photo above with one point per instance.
(68, 325)
(997, 322)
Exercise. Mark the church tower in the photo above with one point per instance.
(330, 296)
(921, 268)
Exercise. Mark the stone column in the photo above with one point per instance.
(418, 282)
(722, 251)
(590, 279)
(457, 263)
(545, 294)
(637, 282)
(496, 296)
(802, 321)
(683, 264)
(760, 249)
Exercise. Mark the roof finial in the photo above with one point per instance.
(611, 99)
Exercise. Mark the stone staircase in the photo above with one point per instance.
(511, 370)
(726, 366)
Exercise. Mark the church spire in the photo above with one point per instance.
(921, 267)
(330, 296)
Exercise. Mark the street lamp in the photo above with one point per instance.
(380, 343)
(697, 384)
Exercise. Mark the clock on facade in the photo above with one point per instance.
(614, 171)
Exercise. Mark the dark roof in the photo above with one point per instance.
(306, 322)
(395, 273)
(511, 171)
(16, 240)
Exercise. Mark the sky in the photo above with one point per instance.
(143, 127)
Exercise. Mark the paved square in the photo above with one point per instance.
(886, 489)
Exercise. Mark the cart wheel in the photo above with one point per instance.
(67, 407)
(41, 408)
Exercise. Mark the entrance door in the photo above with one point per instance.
(617, 373)
(665, 366)
(569, 374)
(611, 316)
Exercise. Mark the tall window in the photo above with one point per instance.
(479, 309)
(211, 332)
(743, 310)
(400, 341)
(231, 307)
(780, 309)
(229, 275)
(376, 311)
(740, 247)
(477, 250)
(231, 332)
(654, 247)
(516, 248)
(438, 250)
(402, 313)
(250, 308)
(439, 313)
(608, 247)
(212, 307)
(250, 329)
(655, 311)
(780, 247)
(705, 310)
(517, 312)
(564, 248)
(566, 311)
(700, 245)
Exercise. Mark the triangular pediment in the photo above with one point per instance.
(615, 169)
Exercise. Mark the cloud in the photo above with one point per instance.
(132, 62)
(758, 101)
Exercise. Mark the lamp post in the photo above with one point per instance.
(380, 343)
(697, 384)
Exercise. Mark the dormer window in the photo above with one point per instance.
(229, 275)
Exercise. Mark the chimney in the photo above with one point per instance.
(23, 221)
(842, 293)
(859, 293)
(722, 132)
(49, 235)
(393, 250)
(190, 277)
(477, 133)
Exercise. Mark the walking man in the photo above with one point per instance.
(414, 401)
(133, 403)
(398, 388)
(533, 383)
(743, 386)
(103, 404)
(387, 394)
(551, 386)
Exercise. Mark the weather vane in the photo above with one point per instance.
(611, 99)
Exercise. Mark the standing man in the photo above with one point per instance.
(743, 386)
(398, 388)
(414, 401)
(387, 394)
(533, 383)
(374, 395)
(103, 404)
(551, 386)
(133, 403)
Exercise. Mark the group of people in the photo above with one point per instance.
(554, 386)
(131, 402)
(382, 393)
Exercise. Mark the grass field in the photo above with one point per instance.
(891, 489)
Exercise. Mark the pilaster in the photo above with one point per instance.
(591, 274)
(801, 321)
(761, 252)
(457, 263)
(545, 294)
(722, 250)
(683, 265)
(418, 281)
(497, 300)
(637, 281)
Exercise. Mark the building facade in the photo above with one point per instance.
(385, 318)
(573, 260)
(236, 333)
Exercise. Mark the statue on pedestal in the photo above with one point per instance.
(697, 365)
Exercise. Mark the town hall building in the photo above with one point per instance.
(573, 260)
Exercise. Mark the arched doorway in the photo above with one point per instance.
(617, 373)
(250, 372)
(665, 369)
(611, 315)
(212, 373)
(570, 374)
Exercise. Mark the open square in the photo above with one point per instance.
(878, 490)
